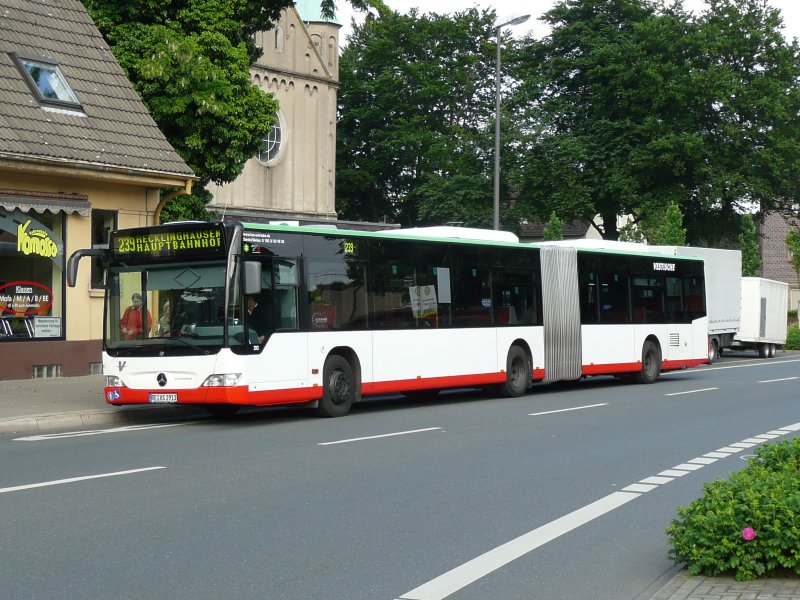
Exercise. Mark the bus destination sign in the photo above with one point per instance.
(164, 242)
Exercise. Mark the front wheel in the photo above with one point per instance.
(339, 387)
(518, 374)
(651, 363)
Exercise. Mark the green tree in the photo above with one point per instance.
(793, 243)
(748, 244)
(631, 105)
(189, 61)
(554, 230)
(669, 231)
(414, 131)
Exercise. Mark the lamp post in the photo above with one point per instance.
(496, 205)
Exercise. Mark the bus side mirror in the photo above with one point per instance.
(72, 263)
(252, 277)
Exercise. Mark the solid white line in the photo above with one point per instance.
(691, 392)
(774, 380)
(471, 571)
(375, 437)
(71, 434)
(31, 486)
(551, 412)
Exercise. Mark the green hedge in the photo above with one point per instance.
(711, 535)
(792, 338)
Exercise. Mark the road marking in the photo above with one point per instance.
(774, 380)
(691, 392)
(375, 437)
(30, 486)
(761, 363)
(471, 571)
(552, 412)
(443, 586)
(71, 434)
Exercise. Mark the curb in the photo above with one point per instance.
(94, 418)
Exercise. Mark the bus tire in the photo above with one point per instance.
(518, 374)
(651, 363)
(338, 387)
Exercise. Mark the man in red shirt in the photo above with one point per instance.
(130, 325)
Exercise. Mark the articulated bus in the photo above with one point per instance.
(351, 313)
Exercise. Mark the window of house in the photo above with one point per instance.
(103, 222)
(47, 82)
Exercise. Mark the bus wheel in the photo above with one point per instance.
(713, 351)
(339, 387)
(222, 411)
(518, 374)
(651, 363)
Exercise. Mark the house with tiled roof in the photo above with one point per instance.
(79, 156)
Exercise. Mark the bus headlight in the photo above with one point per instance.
(114, 381)
(224, 380)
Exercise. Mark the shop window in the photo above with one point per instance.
(103, 223)
(31, 276)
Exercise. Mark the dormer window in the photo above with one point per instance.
(47, 82)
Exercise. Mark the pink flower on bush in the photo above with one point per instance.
(748, 533)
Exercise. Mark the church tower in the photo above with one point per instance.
(292, 178)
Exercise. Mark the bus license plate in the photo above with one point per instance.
(163, 398)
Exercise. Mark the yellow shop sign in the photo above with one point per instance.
(35, 241)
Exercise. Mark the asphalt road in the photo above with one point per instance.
(467, 497)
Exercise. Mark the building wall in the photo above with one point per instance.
(78, 350)
(299, 66)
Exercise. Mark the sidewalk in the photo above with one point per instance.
(40, 405)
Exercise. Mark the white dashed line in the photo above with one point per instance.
(30, 486)
(691, 392)
(552, 412)
(375, 437)
(774, 380)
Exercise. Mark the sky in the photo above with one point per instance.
(511, 8)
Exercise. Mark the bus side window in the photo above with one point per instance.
(285, 294)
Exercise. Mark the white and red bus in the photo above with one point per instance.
(353, 313)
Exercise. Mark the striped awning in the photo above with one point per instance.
(45, 202)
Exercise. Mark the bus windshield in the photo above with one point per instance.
(176, 308)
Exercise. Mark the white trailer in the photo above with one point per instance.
(765, 304)
(723, 276)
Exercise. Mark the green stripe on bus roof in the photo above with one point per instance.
(389, 235)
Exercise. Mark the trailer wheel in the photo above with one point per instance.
(651, 363)
(772, 350)
(339, 387)
(518, 374)
(713, 350)
(763, 350)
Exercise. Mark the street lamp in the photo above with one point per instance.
(498, 27)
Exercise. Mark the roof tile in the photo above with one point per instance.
(116, 130)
